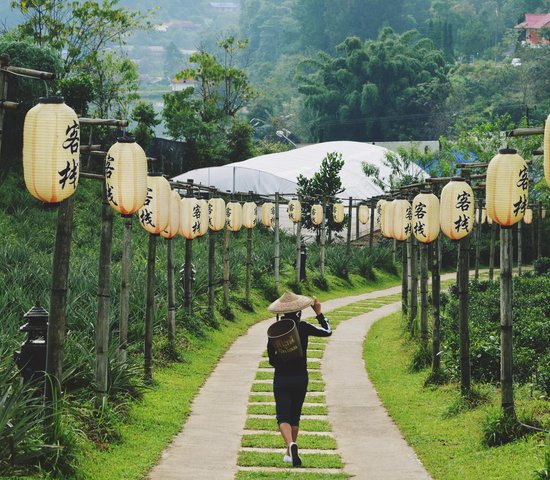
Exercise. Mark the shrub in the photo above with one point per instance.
(421, 357)
(320, 282)
(544, 472)
(500, 428)
(541, 266)
(338, 261)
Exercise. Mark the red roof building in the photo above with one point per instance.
(533, 25)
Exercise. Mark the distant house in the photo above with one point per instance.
(225, 6)
(178, 24)
(533, 25)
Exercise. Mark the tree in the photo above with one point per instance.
(173, 61)
(324, 184)
(146, 118)
(206, 118)
(389, 88)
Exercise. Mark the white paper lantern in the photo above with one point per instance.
(528, 217)
(191, 217)
(402, 220)
(216, 214)
(205, 219)
(456, 209)
(250, 215)
(126, 176)
(425, 213)
(234, 216)
(174, 216)
(268, 214)
(338, 212)
(153, 216)
(507, 189)
(386, 218)
(364, 214)
(378, 213)
(317, 216)
(294, 210)
(51, 150)
(546, 150)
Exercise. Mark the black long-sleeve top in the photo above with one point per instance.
(298, 366)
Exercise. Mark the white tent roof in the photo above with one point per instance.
(278, 172)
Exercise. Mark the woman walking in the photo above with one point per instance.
(291, 378)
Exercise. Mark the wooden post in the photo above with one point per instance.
(58, 299)
(103, 301)
(404, 280)
(248, 263)
(414, 286)
(479, 227)
(211, 273)
(171, 294)
(506, 347)
(357, 222)
(371, 236)
(539, 231)
(277, 242)
(492, 251)
(298, 247)
(423, 293)
(394, 250)
(323, 232)
(150, 309)
(409, 270)
(348, 240)
(4, 62)
(436, 290)
(520, 246)
(126, 265)
(463, 278)
(187, 304)
(226, 241)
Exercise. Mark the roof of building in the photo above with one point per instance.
(278, 172)
(535, 21)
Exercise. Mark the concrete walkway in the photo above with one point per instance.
(208, 445)
(370, 444)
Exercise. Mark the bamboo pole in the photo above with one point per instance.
(357, 222)
(436, 291)
(539, 232)
(479, 227)
(126, 266)
(323, 232)
(413, 311)
(226, 242)
(520, 246)
(248, 263)
(423, 293)
(506, 347)
(171, 294)
(187, 303)
(150, 309)
(103, 301)
(58, 299)
(463, 298)
(348, 239)
(277, 242)
(298, 245)
(492, 251)
(404, 280)
(4, 62)
(211, 273)
(394, 250)
(371, 236)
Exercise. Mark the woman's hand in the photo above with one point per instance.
(316, 306)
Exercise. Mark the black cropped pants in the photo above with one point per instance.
(290, 392)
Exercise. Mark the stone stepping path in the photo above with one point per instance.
(262, 447)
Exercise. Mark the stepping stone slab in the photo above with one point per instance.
(268, 459)
(268, 375)
(270, 410)
(311, 397)
(267, 386)
(250, 473)
(311, 365)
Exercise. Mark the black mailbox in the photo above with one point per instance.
(31, 360)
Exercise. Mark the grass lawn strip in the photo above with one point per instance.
(450, 448)
(292, 474)
(306, 425)
(268, 375)
(269, 459)
(311, 397)
(270, 410)
(319, 442)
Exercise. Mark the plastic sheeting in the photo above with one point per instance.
(278, 172)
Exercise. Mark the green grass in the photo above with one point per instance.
(316, 375)
(268, 459)
(270, 410)
(290, 474)
(310, 365)
(267, 440)
(449, 447)
(268, 387)
(270, 398)
(306, 425)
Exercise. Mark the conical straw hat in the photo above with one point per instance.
(290, 302)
